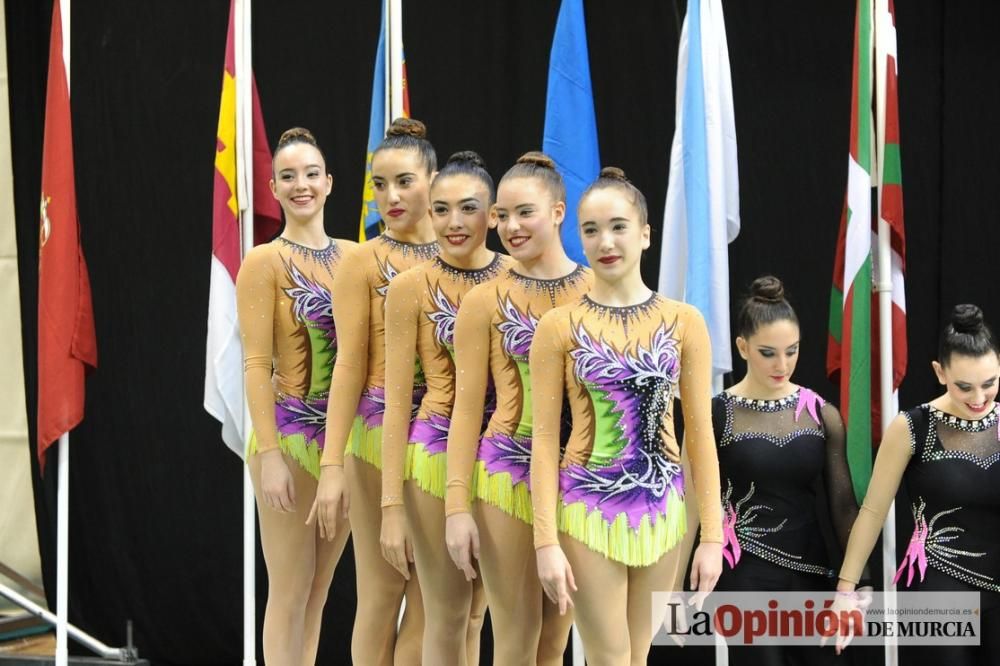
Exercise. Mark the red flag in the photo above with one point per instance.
(266, 210)
(67, 343)
(224, 352)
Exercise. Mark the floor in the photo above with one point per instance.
(43, 644)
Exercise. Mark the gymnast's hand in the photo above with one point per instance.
(851, 605)
(277, 488)
(462, 539)
(397, 549)
(556, 575)
(706, 567)
(333, 499)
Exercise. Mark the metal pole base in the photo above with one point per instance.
(123, 655)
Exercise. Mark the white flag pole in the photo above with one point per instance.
(394, 101)
(578, 658)
(63, 628)
(244, 185)
(889, 400)
(62, 503)
(386, 68)
(395, 60)
(244, 135)
(62, 554)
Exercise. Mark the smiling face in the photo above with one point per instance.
(301, 183)
(971, 384)
(402, 187)
(460, 215)
(613, 234)
(527, 218)
(771, 353)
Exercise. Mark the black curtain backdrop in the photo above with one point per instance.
(156, 515)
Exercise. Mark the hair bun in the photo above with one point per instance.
(407, 127)
(614, 173)
(765, 305)
(538, 159)
(767, 289)
(469, 157)
(967, 318)
(296, 135)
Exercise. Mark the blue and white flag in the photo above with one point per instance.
(702, 214)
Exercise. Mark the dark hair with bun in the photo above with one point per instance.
(297, 135)
(536, 164)
(766, 304)
(409, 134)
(469, 163)
(614, 177)
(966, 334)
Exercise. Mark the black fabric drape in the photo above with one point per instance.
(156, 514)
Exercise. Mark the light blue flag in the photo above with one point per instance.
(370, 221)
(570, 136)
(702, 213)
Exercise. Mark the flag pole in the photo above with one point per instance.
(889, 400)
(395, 60)
(62, 503)
(61, 31)
(244, 122)
(889, 406)
(62, 554)
(386, 69)
(244, 180)
(394, 104)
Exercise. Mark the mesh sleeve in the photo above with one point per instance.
(837, 476)
(893, 457)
